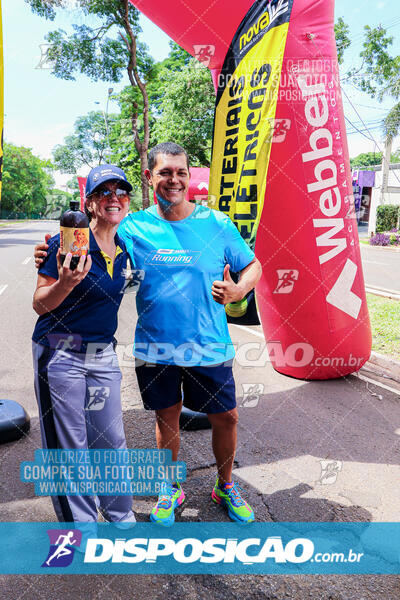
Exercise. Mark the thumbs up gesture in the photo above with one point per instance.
(226, 291)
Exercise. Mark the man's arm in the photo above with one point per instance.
(227, 291)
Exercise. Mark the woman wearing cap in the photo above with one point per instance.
(77, 377)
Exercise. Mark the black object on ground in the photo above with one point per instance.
(191, 420)
(14, 421)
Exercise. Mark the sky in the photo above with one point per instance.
(40, 109)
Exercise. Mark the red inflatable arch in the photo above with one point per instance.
(280, 170)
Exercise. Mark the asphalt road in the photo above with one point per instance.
(283, 436)
(381, 267)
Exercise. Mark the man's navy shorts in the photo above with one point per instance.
(208, 389)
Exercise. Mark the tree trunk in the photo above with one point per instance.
(385, 169)
(144, 181)
(142, 146)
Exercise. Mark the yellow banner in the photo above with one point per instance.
(245, 113)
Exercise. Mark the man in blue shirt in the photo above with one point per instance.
(182, 338)
(182, 342)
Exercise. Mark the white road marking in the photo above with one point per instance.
(375, 262)
(26, 260)
(257, 333)
(3, 287)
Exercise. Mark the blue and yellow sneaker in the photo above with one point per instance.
(229, 496)
(171, 497)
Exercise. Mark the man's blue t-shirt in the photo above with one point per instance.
(179, 322)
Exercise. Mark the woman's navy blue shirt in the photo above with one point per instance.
(88, 315)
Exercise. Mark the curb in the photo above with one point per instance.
(391, 248)
(393, 295)
(389, 366)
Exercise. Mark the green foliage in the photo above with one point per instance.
(379, 72)
(99, 51)
(391, 124)
(365, 160)
(379, 66)
(123, 149)
(73, 187)
(385, 324)
(27, 181)
(57, 201)
(86, 146)
(45, 9)
(342, 31)
(186, 111)
(387, 216)
(165, 86)
(103, 51)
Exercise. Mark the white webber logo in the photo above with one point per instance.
(325, 183)
(341, 295)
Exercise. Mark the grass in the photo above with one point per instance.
(385, 323)
(7, 223)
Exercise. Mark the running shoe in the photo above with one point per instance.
(229, 496)
(171, 497)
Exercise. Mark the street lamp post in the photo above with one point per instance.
(105, 115)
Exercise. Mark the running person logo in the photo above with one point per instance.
(133, 279)
(330, 470)
(203, 53)
(286, 280)
(278, 130)
(62, 547)
(251, 394)
(97, 397)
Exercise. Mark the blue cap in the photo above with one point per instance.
(103, 173)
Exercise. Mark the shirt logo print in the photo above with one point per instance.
(170, 257)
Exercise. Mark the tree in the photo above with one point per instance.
(371, 159)
(87, 146)
(181, 106)
(342, 31)
(57, 202)
(391, 124)
(379, 76)
(365, 160)
(104, 52)
(187, 111)
(27, 182)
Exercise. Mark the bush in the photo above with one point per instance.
(380, 239)
(387, 216)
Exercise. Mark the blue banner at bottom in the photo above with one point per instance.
(195, 548)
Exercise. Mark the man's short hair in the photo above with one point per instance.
(165, 148)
